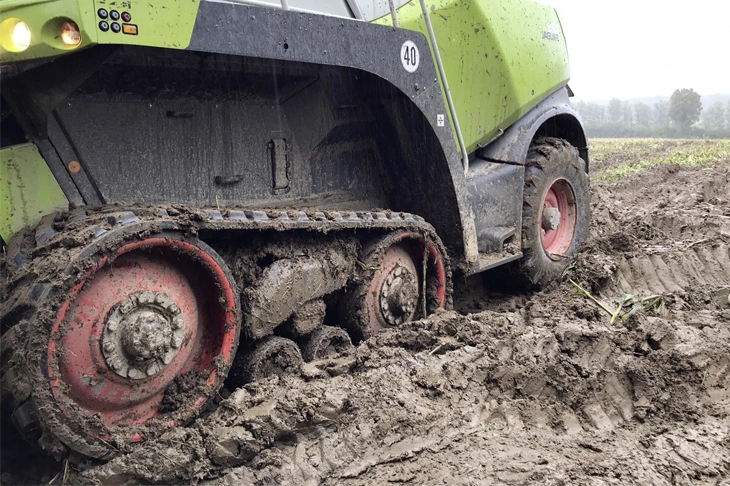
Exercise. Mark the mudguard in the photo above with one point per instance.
(553, 117)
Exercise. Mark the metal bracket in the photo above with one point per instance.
(393, 13)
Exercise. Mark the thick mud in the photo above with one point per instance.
(509, 388)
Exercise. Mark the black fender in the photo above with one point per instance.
(552, 117)
(433, 165)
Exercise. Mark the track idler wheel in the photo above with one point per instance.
(327, 342)
(271, 356)
(140, 341)
(403, 276)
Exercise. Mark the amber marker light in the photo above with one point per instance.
(70, 34)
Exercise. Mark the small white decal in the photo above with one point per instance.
(409, 56)
(440, 120)
(551, 32)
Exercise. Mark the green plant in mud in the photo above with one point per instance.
(628, 306)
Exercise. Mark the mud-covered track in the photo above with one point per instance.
(97, 254)
(75, 231)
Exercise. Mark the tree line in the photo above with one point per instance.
(682, 116)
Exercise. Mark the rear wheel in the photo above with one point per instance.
(556, 209)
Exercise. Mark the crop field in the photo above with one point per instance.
(615, 158)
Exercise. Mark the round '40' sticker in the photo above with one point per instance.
(409, 56)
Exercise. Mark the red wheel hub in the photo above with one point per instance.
(558, 219)
(394, 293)
(161, 308)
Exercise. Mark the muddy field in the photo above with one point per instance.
(511, 387)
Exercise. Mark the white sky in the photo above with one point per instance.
(642, 48)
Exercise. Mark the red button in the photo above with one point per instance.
(126, 16)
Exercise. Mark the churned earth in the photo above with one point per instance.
(509, 388)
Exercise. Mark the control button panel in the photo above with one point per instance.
(109, 17)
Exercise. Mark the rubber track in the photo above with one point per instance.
(82, 229)
(63, 247)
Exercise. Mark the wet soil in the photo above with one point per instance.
(510, 388)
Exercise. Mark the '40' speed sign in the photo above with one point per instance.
(409, 56)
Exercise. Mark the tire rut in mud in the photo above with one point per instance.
(665, 232)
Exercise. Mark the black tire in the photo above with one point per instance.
(550, 160)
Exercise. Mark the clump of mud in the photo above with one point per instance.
(532, 389)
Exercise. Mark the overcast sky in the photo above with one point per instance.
(642, 48)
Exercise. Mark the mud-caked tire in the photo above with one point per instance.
(556, 180)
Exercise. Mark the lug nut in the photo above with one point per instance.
(126, 306)
(135, 374)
